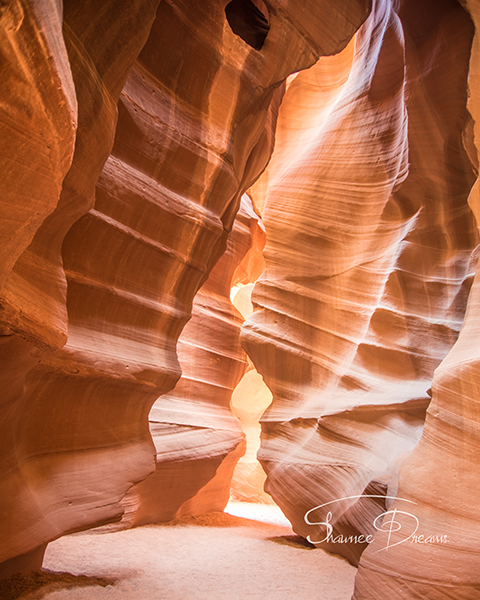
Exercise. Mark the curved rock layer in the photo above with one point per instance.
(197, 438)
(435, 554)
(112, 253)
(44, 431)
(250, 399)
(369, 264)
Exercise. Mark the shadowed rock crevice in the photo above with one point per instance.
(249, 21)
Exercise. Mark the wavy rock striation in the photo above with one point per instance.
(44, 447)
(434, 555)
(197, 438)
(368, 270)
(109, 246)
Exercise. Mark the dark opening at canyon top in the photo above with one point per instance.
(249, 20)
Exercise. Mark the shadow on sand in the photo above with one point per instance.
(36, 584)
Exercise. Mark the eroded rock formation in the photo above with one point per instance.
(103, 248)
(58, 74)
(369, 264)
(250, 399)
(127, 138)
(434, 556)
(197, 438)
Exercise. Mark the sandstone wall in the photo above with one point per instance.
(59, 75)
(435, 557)
(198, 440)
(369, 265)
(105, 247)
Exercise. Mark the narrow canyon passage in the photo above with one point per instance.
(238, 286)
(211, 557)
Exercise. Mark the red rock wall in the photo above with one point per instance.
(194, 430)
(112, 253)
(128, 135)
(436, 556)
(369, 264)
(47, 434)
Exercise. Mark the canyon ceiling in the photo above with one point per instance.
(157, 153)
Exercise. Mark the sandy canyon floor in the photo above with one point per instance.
(214, 557)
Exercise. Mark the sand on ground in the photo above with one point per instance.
(217, 556)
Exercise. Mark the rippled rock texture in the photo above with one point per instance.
(197, 437)
(58, 124)
(129, 132)
(439, 560)
(369, 264)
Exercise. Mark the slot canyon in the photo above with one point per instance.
(230, 230)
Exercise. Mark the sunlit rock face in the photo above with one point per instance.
(110, 227)
(197, 438)
(58, 127)
(436, 555)
(369, 264)
(250, 399)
